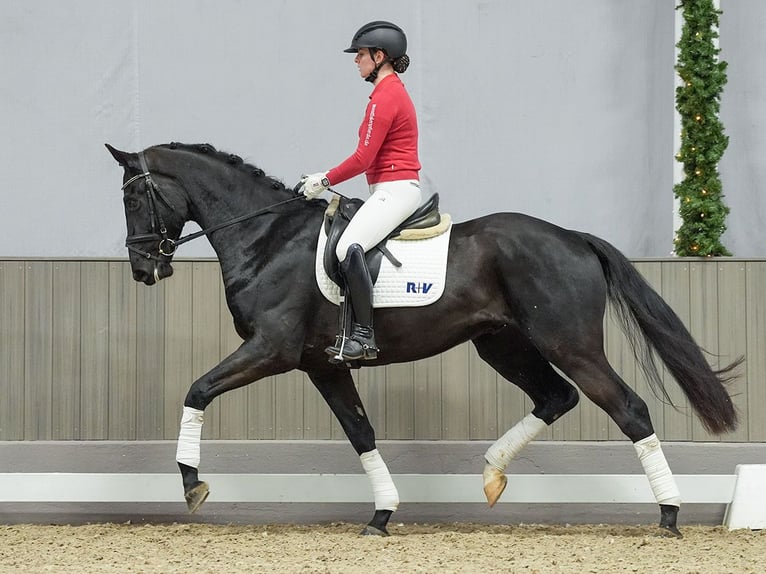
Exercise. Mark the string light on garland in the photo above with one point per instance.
(703, 141)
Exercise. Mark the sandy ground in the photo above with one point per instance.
(202, 548)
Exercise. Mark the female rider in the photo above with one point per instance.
(387, 153)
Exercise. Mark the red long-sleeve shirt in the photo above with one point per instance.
(388, 138)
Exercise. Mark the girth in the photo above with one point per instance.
(335, 223)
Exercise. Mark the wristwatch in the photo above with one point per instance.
(325, 182)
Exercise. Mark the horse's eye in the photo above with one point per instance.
(131, 203)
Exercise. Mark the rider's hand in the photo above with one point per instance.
(314, 185)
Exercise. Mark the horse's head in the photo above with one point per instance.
(154, 223)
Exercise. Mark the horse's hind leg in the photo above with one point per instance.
(600, 383)
(337, 388)
(512, 355)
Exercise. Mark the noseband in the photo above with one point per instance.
(166, 246)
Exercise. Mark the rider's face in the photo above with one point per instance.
(364, 62)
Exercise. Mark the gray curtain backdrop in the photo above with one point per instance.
(559, 109)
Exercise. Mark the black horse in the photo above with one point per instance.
(527, 293)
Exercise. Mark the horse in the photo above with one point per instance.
(528, 294)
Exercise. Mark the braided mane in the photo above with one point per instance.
(229, 158)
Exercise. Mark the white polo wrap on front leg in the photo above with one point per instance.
(657, 471)
(189, 437)
(383, 489)
(503, 451)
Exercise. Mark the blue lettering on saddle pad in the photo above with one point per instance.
(418, 287)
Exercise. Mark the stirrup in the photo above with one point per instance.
(349, 349)
(336, 350)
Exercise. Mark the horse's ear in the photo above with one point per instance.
(122, 157)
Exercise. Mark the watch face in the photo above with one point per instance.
(325, 182)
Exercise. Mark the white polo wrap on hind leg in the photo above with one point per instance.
(657, 471)
(383, 489)
(503, 451)
(189, 437)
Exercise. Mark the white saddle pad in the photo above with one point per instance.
(419, 281)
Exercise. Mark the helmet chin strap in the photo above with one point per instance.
(374, 74)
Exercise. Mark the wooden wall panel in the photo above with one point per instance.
(427, 398)
(455, 393)
(732, 327)
(372, 385)
(289, 405)
(400, 401)
(482, 398)
(65, 398)
(150, 361)
(122, 352)
(755, 368)
(12, 351)
(89, 354)
(675, 291)
(703, 323)
(38, 350)
(94, 363)
(205, 337)
(652, 272)
(178, 346)
(318, 419)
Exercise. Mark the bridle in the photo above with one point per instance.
(166, 246)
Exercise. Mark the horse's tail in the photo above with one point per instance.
(642, 311)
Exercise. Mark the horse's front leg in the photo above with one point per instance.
(338, 390)
(242, 367)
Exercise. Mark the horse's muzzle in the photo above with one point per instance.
(154, 275)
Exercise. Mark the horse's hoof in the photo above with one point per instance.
(196, 495)
(670, 532)
(669, 521)
(372, 531)
(494, 484)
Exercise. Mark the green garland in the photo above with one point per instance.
(703, 141)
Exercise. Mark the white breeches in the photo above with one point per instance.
(390, 203)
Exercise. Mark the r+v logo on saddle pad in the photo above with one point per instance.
(413, 287)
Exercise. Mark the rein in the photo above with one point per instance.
(167, 246)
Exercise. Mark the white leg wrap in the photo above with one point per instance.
(657, 470)
(383, 489)
(502, 452)
(189, 437)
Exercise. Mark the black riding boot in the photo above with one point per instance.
(360, 345)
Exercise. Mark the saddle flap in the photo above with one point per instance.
(337, 217)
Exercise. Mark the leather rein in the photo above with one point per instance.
(167, 246)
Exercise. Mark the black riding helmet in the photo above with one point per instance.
(382, 35)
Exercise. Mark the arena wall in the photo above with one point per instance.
(89, 354)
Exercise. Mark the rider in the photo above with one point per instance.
(387, 153)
